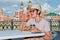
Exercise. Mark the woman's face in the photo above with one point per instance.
(33, 13)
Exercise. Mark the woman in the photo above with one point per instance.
(41, 25)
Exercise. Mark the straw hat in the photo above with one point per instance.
(36, 7)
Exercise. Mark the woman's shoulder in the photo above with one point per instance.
(31, 20)
(45, 21)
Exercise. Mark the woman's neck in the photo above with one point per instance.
(37, 20)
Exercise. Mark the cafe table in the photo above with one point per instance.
(12, 34)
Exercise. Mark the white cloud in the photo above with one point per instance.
(15, 0)
(14, 5)
(9, 12)
(58, 8)
(45, 0)
(38, 1)
(46, 7)
(4, 9)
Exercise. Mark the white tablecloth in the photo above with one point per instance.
(9, 34)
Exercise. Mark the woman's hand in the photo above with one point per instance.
(47, 36)
(23, 27)
(34, 29)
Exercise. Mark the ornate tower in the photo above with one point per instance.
(28, 10)
(22, 7)
(1, 12)
(45, 12)
(29, 5)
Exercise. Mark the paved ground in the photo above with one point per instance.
(58, 36)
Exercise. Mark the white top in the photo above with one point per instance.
(10, 34)
(43, 25)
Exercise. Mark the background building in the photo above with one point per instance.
(4, 17)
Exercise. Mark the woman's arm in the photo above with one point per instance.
(34, 29)
(23, 27)
(47, 36)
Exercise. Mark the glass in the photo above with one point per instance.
(32, 25)
(1, 28)
(30, 28)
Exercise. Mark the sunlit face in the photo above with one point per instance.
(33, 13)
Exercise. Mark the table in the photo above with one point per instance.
(10, 34)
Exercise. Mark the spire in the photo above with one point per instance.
(22, 4)
(29, 3)
(1, 11)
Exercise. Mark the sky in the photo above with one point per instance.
(10, 6)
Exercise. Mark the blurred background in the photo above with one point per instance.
(13, 12)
